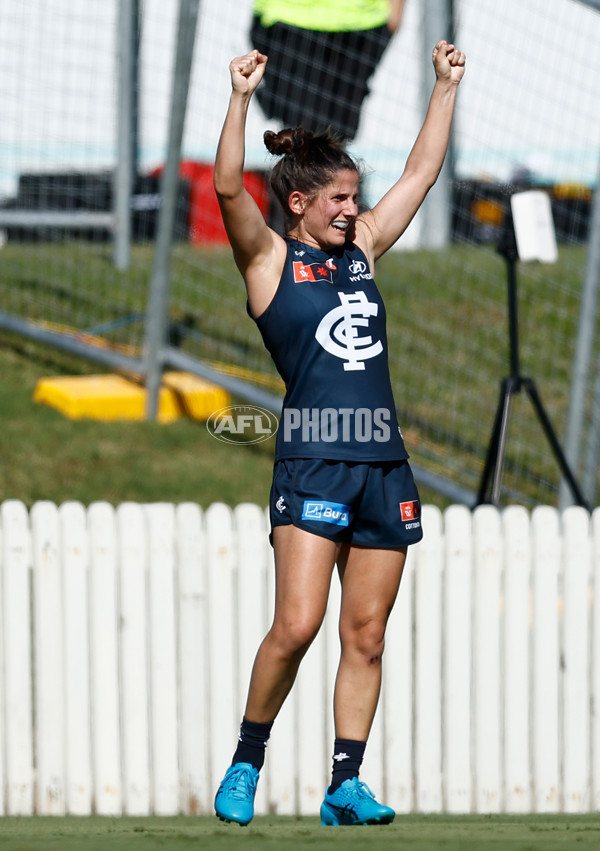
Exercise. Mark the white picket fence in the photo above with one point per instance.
(128, 635)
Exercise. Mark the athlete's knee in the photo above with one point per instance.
(365, 638)
(293, 636)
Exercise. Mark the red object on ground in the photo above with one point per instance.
(204, 218)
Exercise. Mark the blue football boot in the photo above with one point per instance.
(354, 803)
(235, 799)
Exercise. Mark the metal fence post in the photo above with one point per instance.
(583, 350)
(156, 316)
(592, 460)
(436, 209)
(127, 119)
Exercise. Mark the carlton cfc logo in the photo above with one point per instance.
(338, 331)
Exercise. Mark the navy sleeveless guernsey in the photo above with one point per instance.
(325, 330)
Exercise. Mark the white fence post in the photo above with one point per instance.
(576, 693)
(487, 555)
(15, 648)
(516, 533)
(194, 688)
(49, 661)
(457, 659)
(134, 662)
(163, 655)
(75, 572)
(427, 581)
(545, 707)
(104, 670)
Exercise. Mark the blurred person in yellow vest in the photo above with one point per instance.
(322, 55)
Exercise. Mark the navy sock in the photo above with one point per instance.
(347, 757)
(253, 740)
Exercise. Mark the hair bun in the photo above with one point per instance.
(288, 141)
(301, 139)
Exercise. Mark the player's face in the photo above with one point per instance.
(329, 218)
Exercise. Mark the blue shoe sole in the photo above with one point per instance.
(232, 821)
(229, 817)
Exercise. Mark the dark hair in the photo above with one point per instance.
(308, 162)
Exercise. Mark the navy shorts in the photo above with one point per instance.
(370, 505)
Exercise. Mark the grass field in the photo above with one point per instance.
(44, 455)
(417, 833)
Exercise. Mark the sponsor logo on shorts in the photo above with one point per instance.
(326, 512)
(410, 511)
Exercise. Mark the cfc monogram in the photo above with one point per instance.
(338, 331)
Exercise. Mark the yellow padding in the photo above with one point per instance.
(114, 397)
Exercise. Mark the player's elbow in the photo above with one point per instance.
(227, 182)
(420, 180)
(226, 187)
(221, 181)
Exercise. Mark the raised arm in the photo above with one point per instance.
(379, 228)
(255, 246)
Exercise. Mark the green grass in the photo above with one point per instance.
(45, 455)
(417, 833)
